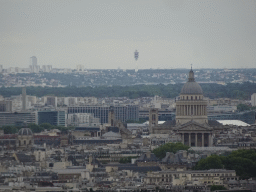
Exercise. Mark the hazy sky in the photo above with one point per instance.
(105, 33)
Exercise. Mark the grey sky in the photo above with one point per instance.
(105, 33)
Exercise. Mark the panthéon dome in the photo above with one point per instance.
(191, 87)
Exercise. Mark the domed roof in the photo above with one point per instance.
(191, 87)
(25, 131)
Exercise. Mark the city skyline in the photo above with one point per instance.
(100, 35)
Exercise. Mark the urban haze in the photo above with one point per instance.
(127, 96)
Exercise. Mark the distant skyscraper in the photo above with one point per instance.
(47, 68)
(33, 60)
(24, 99)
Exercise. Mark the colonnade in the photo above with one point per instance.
(188, 110)
(197, 139)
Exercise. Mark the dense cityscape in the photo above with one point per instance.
(183, 143)
(127, 96)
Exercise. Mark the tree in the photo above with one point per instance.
(243, 107)
(245, 168)
(212, 162)
(160, 152)
(9, 129)
(47, 126)
(242, 161)
(35, 128)
(217, 187)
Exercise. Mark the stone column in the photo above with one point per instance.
(189, 139)
(210, 139)
(202, 139)
(195, 139)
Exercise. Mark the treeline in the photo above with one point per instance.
(235, 91)
(242, 161)
(9, 129)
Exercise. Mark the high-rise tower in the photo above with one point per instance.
(33, 60)
(24, 99)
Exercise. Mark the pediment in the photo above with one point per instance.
(193, 126)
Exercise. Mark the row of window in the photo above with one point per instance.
(191, 97)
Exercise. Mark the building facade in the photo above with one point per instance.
(56, 118)
(123, 113)
(17, 118)
(195, 177)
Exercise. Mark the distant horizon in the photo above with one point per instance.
(141, 69)
(103, 34)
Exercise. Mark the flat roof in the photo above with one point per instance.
(233, 122)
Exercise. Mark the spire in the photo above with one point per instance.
(191, 77)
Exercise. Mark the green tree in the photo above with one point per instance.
(242, 161)
(245, 168)
(217, 187)
(160, 152)
(47, 126)
(35, 128)
(9, 129)
(212, 162)
(243, 107)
